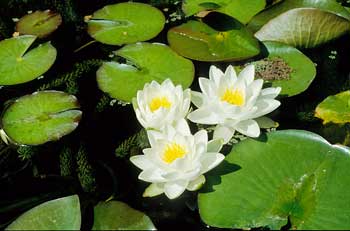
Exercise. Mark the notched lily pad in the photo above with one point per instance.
(304, 27)
(41, 117)
(241, 10)
(335, 108)
(39, 23)
(285, 67)
(18, 65)
(145, 62)
(285, 175)
(115, 215)
(58, 214)
(126, 23)
(198, 41)
(265, 16)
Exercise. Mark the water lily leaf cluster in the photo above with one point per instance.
(283, 175)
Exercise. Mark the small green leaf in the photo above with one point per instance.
(41, 117)
(126, 23)
(285, 67)
(17, 65)
(115, 215)
(242, 10)
(39, 23)
(58, 214)
(198, 41)
(291, 174)
(329, 6)
(335, 108)
(304, 27)
(145, 62)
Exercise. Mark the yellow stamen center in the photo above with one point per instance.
(159, 102)
(234, 97)
(172, 152)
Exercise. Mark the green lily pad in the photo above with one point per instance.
(329, 6)
(291, 174)
(39, 23)
(17, 65)
(41, 117)
(115, 215)
(304, 27)
(241, 10)
(285, 67)
(198, 41)
(145, 62)
(335, 108)
(126, 23)
(58, 214)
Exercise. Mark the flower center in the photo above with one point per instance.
(159, 102)
(234, 97)
(173, 151)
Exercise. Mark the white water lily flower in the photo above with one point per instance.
(177, 160)
(232, 103)
(163, 104)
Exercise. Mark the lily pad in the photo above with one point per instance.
(241, 10)
(304, 27)
(285, 67)
(145, 62)
(291, 174)
(115, 215)
(126, 23)
(41, 117)
(198, 41)
(17, 65)
(58, 214)
(335, 108)
(39, 23)
(265, 16)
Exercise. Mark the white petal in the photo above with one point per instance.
(265, 106)
(210, 160)
(204, 115)
(196, 183)
(182, 127)
(215, 145)
(154, 189)
(142, 162)
(152, 175)
(174, 189)
(230, 74)
(224, 133)
(168, 84)
(215, 74)
(197, 98)
(247, 74)
(206, 86)
(201, 137)
(271, 92)
(249, 128)
(153, 136)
